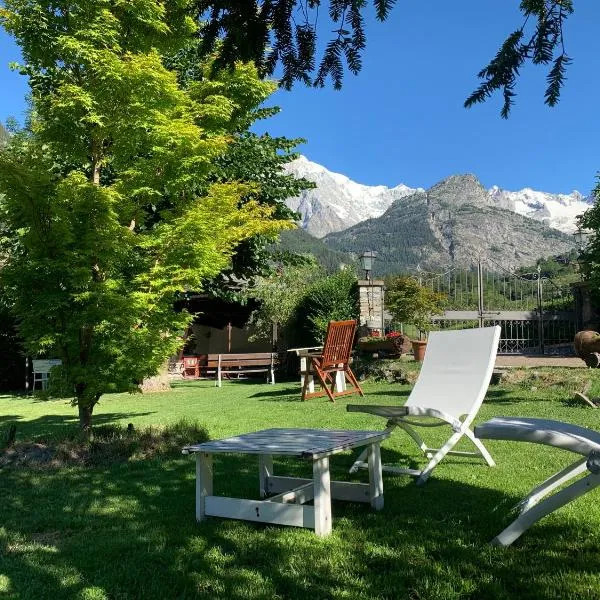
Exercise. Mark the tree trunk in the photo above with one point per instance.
(85, 417)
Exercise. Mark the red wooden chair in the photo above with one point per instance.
(191, 366)
(333, 359)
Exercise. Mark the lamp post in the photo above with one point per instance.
(367, 258)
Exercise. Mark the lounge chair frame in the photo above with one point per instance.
(451, 387)
(539, 503)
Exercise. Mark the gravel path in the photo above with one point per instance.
(539, 361)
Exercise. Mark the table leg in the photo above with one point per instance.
(265, 470)
(305, 371)
(340, 382)
(204, 482)
(375, 476)
(322, 493)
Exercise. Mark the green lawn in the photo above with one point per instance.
(128, 531)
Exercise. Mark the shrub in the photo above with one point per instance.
(333, 298)
(109, 444)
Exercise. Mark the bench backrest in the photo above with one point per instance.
(44, 365)
(212, 360)
(248, 359)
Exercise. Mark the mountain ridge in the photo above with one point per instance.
(453, 223)
(338, 202)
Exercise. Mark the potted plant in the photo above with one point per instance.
(391, 345)
(411, 303)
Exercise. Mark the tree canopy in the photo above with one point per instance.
(112, 202)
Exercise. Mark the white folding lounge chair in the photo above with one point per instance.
(451, 386)
(552, 433)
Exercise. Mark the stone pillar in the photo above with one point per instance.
(371, 300)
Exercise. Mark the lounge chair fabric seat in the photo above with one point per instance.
(450, 388)
(540, 431)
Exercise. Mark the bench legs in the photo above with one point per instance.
(322, 493)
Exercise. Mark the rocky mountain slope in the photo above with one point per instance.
(452, 223)
(338, 202)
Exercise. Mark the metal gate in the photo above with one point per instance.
(536, 315)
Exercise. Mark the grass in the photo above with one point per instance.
(126, 530)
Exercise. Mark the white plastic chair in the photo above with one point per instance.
(451, 386)
(552, 433)
(41, 371)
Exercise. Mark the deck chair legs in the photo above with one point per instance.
(533, 510)
(482, 450)
(434, 454)
(558, 479)
(328, 383)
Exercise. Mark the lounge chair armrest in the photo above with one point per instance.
(423, 411)
(388, 412)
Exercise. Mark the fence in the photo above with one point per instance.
(536, 315)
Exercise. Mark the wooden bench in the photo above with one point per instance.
(240, 364)
(219, 365)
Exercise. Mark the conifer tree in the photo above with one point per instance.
(284, 33)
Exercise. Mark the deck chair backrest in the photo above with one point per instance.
(456, 371)
(338, 343)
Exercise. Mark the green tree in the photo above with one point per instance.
(104, 203)
(589, 255)
(411, 303)
(249, 158)
(4, 136)
(280, 294)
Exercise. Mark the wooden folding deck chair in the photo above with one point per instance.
(451, 386)
(538, 503)
(333, 359)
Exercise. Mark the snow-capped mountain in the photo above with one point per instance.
(558, 211)
(338, 203)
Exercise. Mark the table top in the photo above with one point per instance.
(306, 351)
(303, 443)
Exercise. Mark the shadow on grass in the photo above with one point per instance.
(210, 383)
(9, 418)
(289, 394)
(129, 532)
(500, 397)
(53, 426)
(391, 393)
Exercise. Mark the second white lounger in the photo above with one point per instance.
(552, 433)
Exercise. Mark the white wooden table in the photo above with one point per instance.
(287, 507)
(306, 369)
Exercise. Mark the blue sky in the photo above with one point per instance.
(402, 119)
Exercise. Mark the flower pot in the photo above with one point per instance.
(419, 347)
